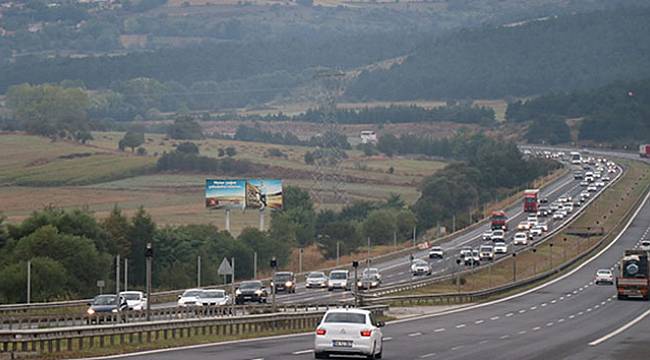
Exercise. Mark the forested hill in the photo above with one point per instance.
(555, 54)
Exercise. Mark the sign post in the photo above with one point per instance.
(225, 269)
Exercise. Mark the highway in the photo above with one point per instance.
(557, 320)
(397, 271)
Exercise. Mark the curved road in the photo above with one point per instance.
(554, 321)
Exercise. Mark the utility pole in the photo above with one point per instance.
(29, 281)
(300, 261)
(117, 286)
(414, 236)
(458, 261)
(338, 252)
(198, 271)
(514, 267)
(274, 266)
(355, 265)
(148, 255)
(126, 273)
(394, 239)
(368, 256)
(550, 255)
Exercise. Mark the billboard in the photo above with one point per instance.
(243, 194)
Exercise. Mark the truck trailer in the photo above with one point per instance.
(633, 275)
(531, 200)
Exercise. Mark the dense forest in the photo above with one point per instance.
(553, 54)
(616, 113)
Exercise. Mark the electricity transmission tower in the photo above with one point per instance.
(329, 153)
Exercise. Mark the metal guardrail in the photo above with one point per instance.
(415, 284)
(468, 297)
(77, 339)
(81, 319)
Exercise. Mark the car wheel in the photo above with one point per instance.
(321, 355)
(329, 289)
(621, 297)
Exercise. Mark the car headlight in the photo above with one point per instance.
(90, 311)
(288, 284)
(330, 283)
(114, 310)
(237, 292)
(374, 283)
(359, 283)
(258, 292)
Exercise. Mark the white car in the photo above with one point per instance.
(543, 225)
(135, 300)
(521, 238)
(599, 183)
(474, 259)
(532, 218)
(465, 251)
(486, 252)
(524, 225)
(421, 267)
(606, 178)
(372, 273)
(316, 279)
(644, 245)
(215, 297)
(604, 276)
(339, 279)
(536, 231)
(436, 252)
(584, 183)
(559, 215)
(592, 188)
(498, 235)
(568, 208)
(348, 332)
(190, 297)
(487, 235)
(500, 247)
(585, 194)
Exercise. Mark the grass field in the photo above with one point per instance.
(37, 161)
(98, 177)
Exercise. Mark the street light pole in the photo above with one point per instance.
(534, 262)
(29, 281)
(126, 273)
(550, 255)
(514, 267)
(117, 286)
(274, 266)
(300, 261)
(148, 255)
(198, 271)
(338, 252)
(458, 261)
(355, 265)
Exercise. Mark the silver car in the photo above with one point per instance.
(421, 267)
(339, 279)
(316, 279)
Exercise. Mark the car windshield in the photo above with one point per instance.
(344, 317)
(604, 272)
(420, 263)
(282, 276)
(498, 233)
(338, 276)
(370, 272)
(104, 300)
(486, 248)
(213, 294)
(192, 293)
(251, 285)
(315, 275)
(131, 296)
(499, 244)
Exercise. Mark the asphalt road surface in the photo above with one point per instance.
(556, 321)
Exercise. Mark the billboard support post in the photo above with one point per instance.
(261, 219)
(228, 220)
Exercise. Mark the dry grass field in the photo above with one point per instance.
(37, 173)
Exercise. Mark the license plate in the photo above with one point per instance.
(342, 343)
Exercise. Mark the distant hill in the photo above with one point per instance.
(549, 54)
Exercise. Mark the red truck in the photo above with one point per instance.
(499, 221)
(633, 275)
(531, 200)
(644, 151)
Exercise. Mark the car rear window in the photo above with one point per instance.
(341, 317)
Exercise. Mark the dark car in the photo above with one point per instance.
(104, 305)
(284, 281)
(251, 291)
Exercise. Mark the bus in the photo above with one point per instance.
(576, 159)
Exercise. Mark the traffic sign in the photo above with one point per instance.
(225, 268)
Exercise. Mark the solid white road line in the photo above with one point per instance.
(619, 330)
(302, 352)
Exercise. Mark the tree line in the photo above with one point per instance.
(484, 170)
(558, 54)
(615, 113)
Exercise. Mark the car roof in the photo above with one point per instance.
(131, 292)
(336, 271)
(348, 310)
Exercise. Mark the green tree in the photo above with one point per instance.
(188, 148)
(49, 279)
(131, 140)
(380, 226)
(343, 232)
(117, 227)
(141, 232)
(231, 151)
(50, 110)
(185, 128)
